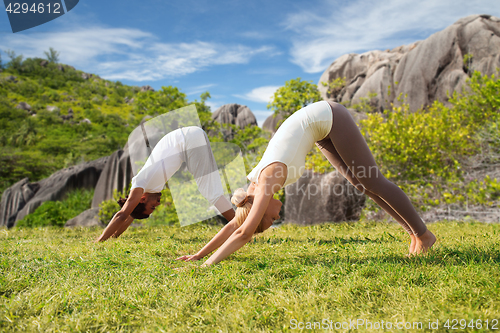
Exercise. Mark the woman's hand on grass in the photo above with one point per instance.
(193, 257)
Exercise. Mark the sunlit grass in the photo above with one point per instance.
(59, 280)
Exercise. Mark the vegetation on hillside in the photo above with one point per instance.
(72, 116)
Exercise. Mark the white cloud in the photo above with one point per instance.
(213, 105)
(261, 94)
(336, 28)
(131, 54)
(199, 89)
(79, 46)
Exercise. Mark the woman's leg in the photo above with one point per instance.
(327, 148)
(354, 152)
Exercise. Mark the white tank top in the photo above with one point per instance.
(294, 139)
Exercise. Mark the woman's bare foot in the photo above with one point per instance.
(413, 243)
(424, 242)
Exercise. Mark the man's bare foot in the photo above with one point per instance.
(413, 243)
(424, 242)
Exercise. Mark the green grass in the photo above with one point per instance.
(54, 280)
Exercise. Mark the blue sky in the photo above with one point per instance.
(239, 51)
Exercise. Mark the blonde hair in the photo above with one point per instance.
(243, 202)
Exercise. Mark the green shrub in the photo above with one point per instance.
(57, 213)
(294, 95)
(108, 208)
(334, 87)
(428, 152)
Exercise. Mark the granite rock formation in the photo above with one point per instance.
(318, 198)
(234, 114)
(14, 199)
(24, 197)
(88, 218)
(271, 123)
(116, 175)
(146, 88)
(424, 71)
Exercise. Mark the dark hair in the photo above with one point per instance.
(138, 212)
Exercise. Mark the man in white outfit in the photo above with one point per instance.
(188, 145)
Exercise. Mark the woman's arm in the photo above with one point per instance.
(121, 218)
(217, 241)
(244, 233)
(270, 181)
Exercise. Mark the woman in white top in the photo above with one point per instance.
(189, 145)
(334, 131)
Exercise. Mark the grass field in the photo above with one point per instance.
(58, 280)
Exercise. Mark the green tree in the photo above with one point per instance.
(16, 61)
(158, 102)
(52, 55)
(294, 95)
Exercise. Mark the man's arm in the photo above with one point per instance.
(120, 219)
(123, 227)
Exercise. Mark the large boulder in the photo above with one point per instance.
(14, 199)
(88, 218)
(234, 114)
(318, 198)
(424, 71)
(53, 108)
(146, 88)
(271, 123)
(23, 198)
(23, 106)
(116, 175)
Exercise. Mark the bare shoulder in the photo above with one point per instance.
(275, 172)
(271, 179)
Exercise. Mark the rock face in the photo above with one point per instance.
(23, 198)
(317, 198)
(425, 71)
(23, 106)
(146, 88)
(14, 199)
(52, 108)
(271, 123)
(88, 218)
(116, 175)
(234, 114)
